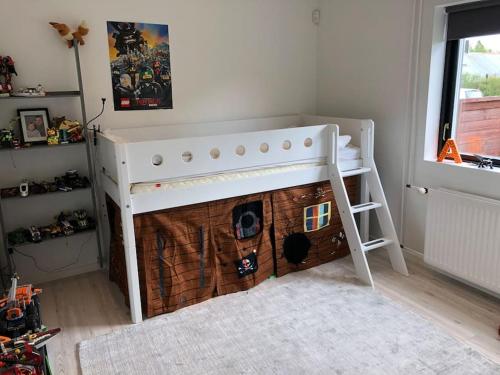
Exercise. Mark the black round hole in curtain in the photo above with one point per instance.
(296, 247)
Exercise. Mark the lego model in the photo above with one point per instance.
(52, 136)
(82, 221)
(7, 69)
(35, 235)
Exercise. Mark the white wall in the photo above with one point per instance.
(363, 70)
(230, 58)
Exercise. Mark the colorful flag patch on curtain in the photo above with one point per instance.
(317, 217)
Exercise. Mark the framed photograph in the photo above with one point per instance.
(34, 124)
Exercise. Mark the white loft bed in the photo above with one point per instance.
(154, 168)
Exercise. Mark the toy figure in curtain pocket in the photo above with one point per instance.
(140, 66)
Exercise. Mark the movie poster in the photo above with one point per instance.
(140, 66)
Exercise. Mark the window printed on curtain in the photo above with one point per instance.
(317, 217)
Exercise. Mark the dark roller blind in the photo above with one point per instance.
(473, 19)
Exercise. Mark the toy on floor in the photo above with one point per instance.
(65, 32)
(18, 311)
(21, 356)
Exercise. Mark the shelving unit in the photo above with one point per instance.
(54, 149)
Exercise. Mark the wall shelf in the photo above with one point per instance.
(48, 95)
(41, 147)
(49, 193)
(49, 239)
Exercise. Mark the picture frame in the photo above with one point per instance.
(34, 124)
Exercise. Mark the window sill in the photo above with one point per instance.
(465, 165)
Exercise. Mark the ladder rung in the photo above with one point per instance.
(375, 244)
(365, 207)
(355, 172)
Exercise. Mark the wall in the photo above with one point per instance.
(363, 69)
(230, 58)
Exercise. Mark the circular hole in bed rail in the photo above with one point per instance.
(240, 150)
(187, 156)
(264, 147)
(157, 160)
(308, 142)
(287, 145)
(215, 153)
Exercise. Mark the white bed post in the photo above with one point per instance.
(128, 233)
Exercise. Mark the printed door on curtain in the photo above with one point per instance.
(241, 235)
(307, 227)
(178, 257)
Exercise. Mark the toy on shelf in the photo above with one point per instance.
(18, 236)
(81, 217)
(70, 131)
(68, 182)
(52, 136)
(63, 221)
(7, 69)
(24, 189)
(6, 137)
(66, 224)
(65, 32)
(30, 91)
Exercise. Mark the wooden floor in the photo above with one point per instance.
(89, 305)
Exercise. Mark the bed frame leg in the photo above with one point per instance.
(131, 262)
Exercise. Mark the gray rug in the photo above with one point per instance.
(311, 322)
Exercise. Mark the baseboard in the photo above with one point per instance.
(413, 252)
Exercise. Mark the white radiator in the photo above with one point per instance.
(463, 237)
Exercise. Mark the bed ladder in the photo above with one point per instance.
(371, 187)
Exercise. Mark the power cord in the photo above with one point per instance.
(103, 100)
(37, 266)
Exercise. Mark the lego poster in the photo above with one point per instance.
(140, 66)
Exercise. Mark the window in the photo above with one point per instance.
(317, 217)
(470, 110)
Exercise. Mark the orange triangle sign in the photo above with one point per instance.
(450, 151)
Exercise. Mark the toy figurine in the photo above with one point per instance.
(7, 69)
(16, 143)
(24, 189)
(66, 227)
(18, 237)
(6, 136)
(52, 136)
(65, 32)
(483, 162)
(35, 235)
(81, 217)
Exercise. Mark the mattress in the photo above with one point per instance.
(348, 153)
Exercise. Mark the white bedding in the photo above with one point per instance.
(347, 153)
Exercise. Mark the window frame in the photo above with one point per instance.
(449, 98)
